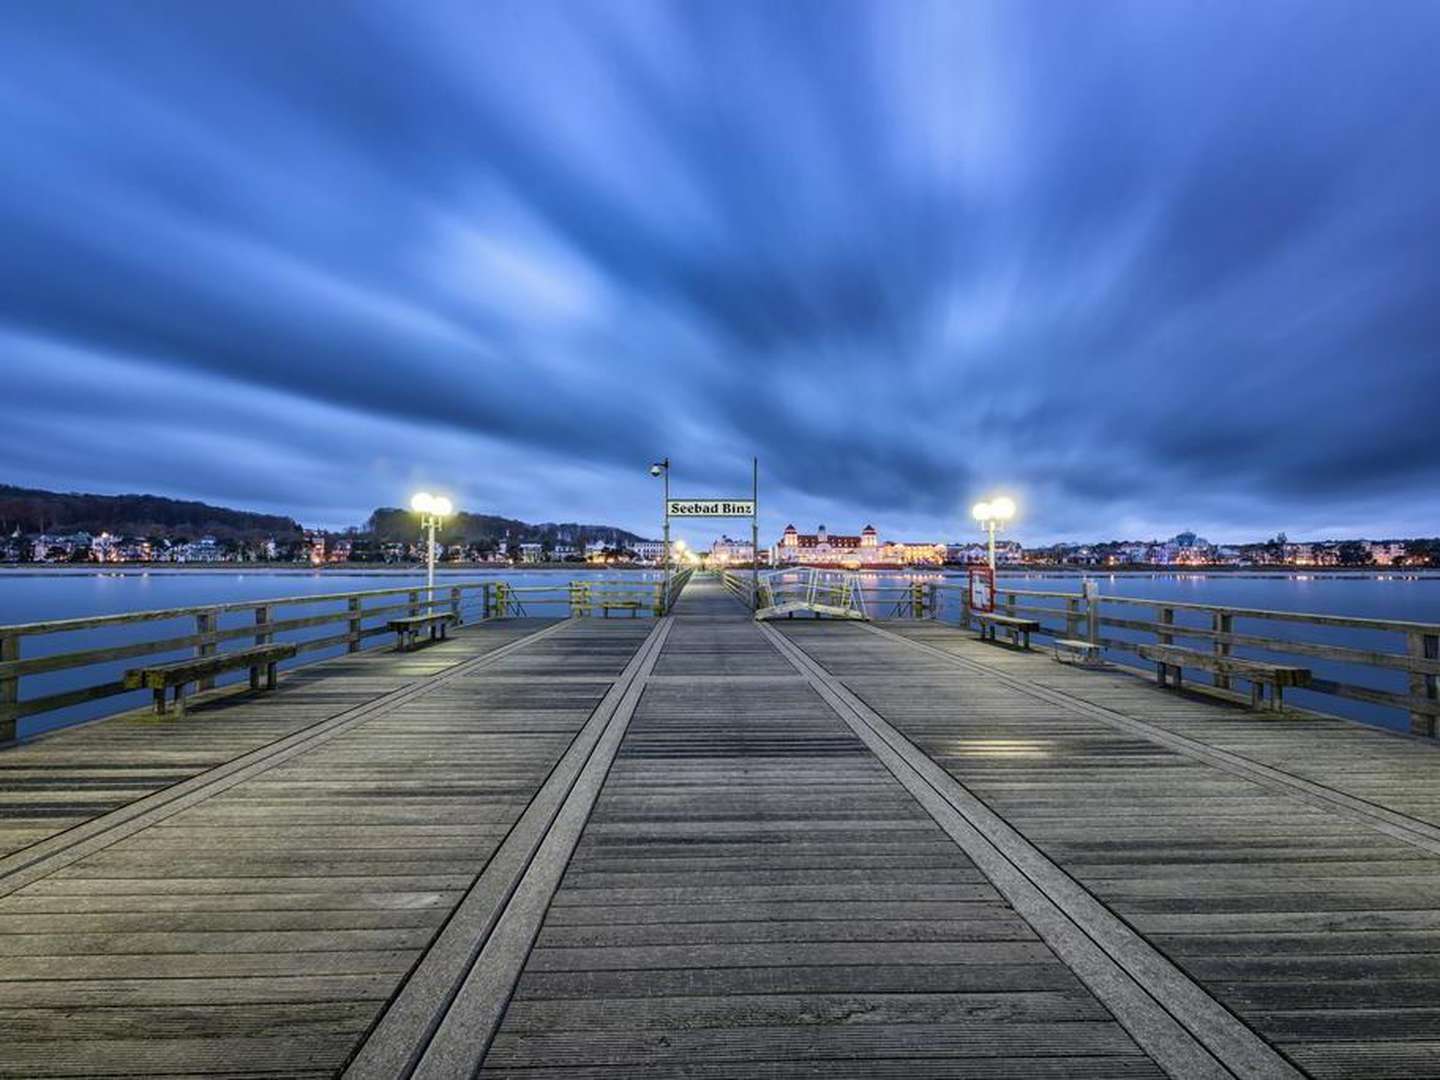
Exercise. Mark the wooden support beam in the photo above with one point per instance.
(206, 623)
(1422, 646)
(9, 688)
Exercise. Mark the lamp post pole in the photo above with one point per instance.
(990, 525)
(662, 468)
(755, 534)
(430, 557)
(431, 509)
(667, 536)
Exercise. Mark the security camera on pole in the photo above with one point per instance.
(662, 468)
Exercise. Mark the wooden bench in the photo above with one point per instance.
(407, 630)
(159, 677)
(1171, 659)
(1084, 653)
(1014, 628)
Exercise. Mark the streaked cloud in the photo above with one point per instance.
(1146, 265)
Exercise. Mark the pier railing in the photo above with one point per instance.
(1383, 663)
(68, 664)
(582, 598)
(740, 586)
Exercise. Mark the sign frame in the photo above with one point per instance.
(710, 508)
(982, 598)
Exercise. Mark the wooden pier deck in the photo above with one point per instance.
(699, 847)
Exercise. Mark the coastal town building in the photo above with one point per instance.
(1387, 553)
(1008, 552)
(821, 548)
(725, 551)
(650, 551)
(863, 549)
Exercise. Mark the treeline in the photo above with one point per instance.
(391, 524)
(33, 511)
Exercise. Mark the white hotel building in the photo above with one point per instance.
(821, 548)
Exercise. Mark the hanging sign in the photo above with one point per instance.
(710, 508)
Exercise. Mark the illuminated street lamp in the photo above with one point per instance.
(992, 515)
(431, 509)
(662, 468)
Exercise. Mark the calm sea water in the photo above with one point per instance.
(31, 596)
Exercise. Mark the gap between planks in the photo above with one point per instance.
(1391, 823)
(28, 865)
(1185, 1030)
(445, 1015)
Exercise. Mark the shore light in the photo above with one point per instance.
(991, 515)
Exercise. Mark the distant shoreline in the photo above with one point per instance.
(297, 569)
(472, 569)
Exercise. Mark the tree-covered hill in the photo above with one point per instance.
(35, 511)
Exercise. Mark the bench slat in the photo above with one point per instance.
(1176, 656)
(1008, 620)
(421, 620)
(159, 676)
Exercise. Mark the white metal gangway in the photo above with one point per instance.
(832, 593)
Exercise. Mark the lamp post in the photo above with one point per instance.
(662, 468)
(992, 515)
(431, 509)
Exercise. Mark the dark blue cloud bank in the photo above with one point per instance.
(1144, 265)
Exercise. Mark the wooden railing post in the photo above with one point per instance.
(1072, 616)
(455, 602)
(206, 623)
(262, 618)
(1092, 612)
(1221, 622)
(1167, 616)
(965, 607)
(917, 600)
(353, 625)
(415, 602)
(1422, 646)
(9, 689)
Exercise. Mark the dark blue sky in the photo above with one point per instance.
(1145, 266)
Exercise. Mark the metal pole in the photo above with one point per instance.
(430, 560)
(666, 600)
(991, 526)
(755, 533)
